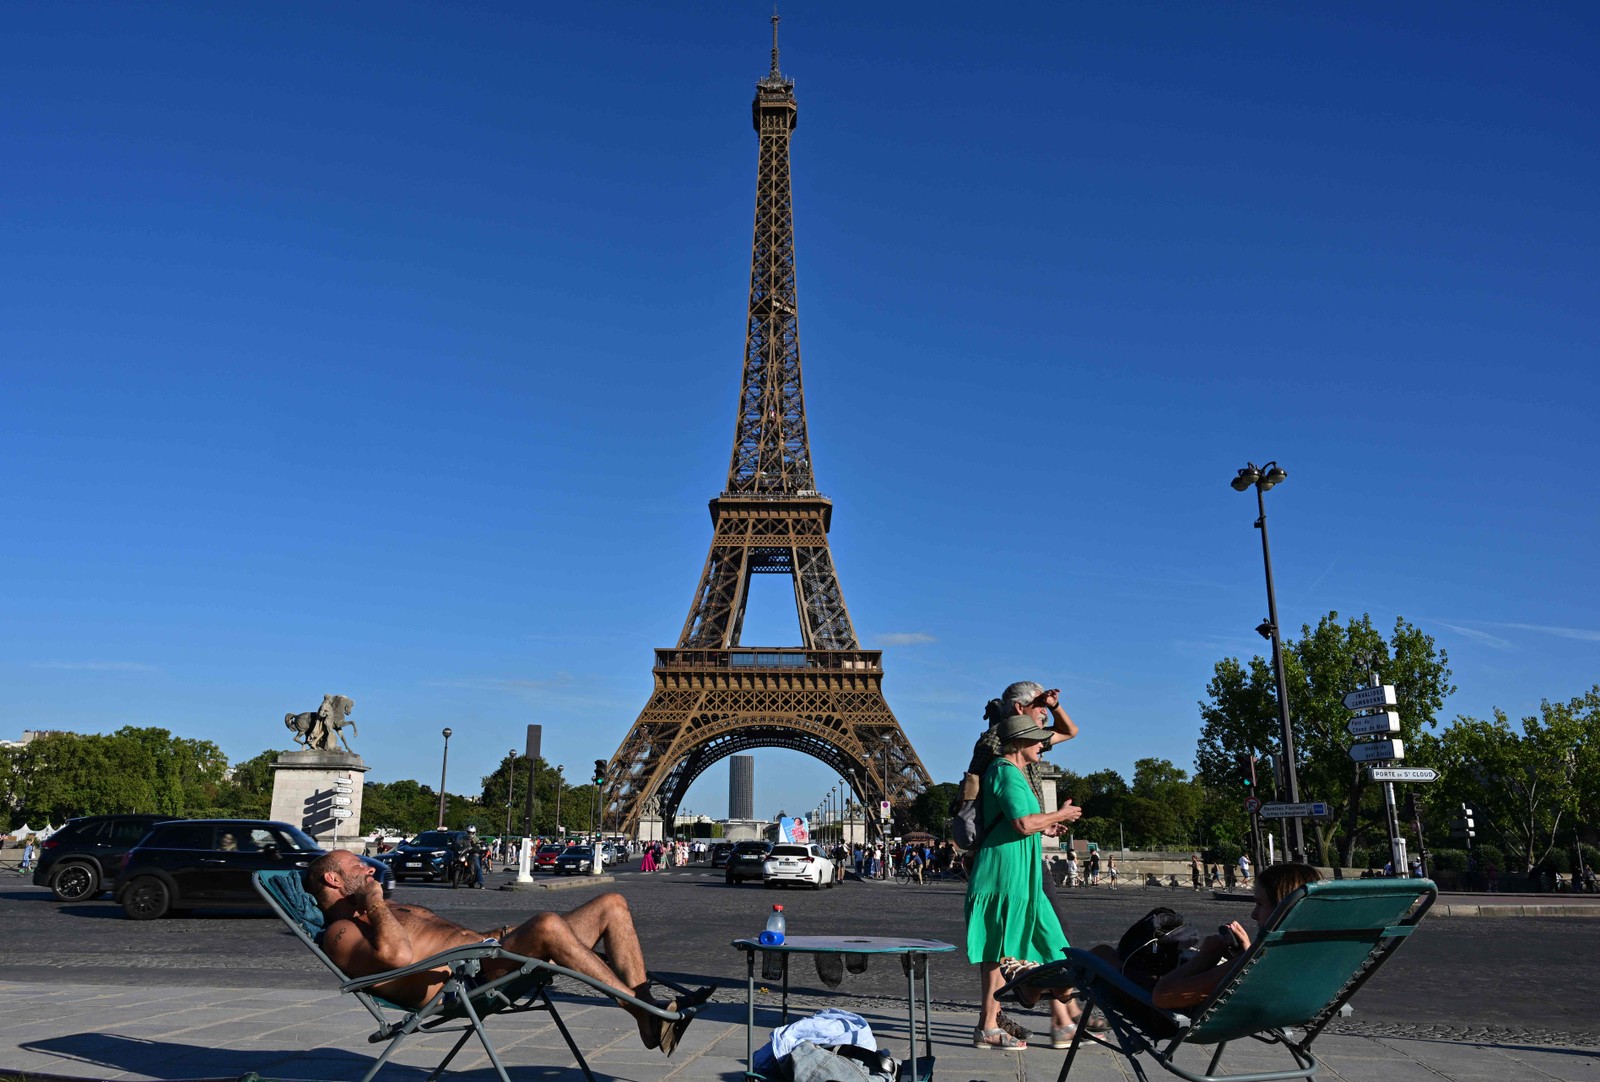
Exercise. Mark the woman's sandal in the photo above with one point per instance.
(1062, 1038)
(996, 1038)
(1010, 970)
(1010, 1025)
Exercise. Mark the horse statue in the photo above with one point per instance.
(322, 729)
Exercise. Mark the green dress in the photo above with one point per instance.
(1008, 915)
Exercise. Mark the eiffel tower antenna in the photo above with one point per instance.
(713, 696)
(775, 73)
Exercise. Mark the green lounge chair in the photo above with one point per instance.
(1322, 943)
(462, 1004)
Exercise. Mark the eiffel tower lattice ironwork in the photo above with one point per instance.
(713, 697)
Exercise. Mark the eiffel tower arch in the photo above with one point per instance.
(714, 697)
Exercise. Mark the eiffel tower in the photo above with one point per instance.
(714, 697)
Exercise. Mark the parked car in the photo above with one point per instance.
(616, 854)
(427, 856)
(81, 859)
(546, 856)
(575, 858)
(719, 854)
(746, 861)
(195, 863)
(793, 863)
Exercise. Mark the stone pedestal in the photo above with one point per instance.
(1051, 803)
(651, 828)
(320, 792)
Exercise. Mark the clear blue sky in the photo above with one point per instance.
(392, 350)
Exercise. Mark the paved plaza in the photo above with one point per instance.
(85, 993)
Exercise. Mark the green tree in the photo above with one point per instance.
(514, 768)
(1240, 714)
(930, 810)
(1099, 794)
(406, 806)
(1524, 785)
(1162, 808)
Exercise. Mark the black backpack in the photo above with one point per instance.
(1154, 946)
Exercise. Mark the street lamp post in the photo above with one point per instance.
(559, 786)
(444, 768)
(1262, 478)
(511, 788)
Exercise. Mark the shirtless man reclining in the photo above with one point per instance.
(367, 935)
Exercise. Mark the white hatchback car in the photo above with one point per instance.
(793, 863)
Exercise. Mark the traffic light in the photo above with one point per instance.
(1465, 827)
(1247, 770)
(599, 771)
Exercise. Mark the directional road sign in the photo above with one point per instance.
(340, 813)
(1252, 804)
(1404, 773)
(1386, 722)
(1367, 698)
(1378, 750)
(1316, 809)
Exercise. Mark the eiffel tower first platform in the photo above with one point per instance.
(714, 697)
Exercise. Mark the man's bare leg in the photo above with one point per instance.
(608, 918)
(569, 940)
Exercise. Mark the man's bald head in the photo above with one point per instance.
(334, 875)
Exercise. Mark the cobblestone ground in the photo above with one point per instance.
(1521, 980)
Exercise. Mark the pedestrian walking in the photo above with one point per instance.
(1072, 868)
(1111, 870)
(27, 858)
(1244, 869)
(1195, 871)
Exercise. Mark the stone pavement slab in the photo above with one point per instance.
(86, 1031)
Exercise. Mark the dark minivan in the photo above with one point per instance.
(81, 859)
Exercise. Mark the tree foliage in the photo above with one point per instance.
(62, 775)
(1523, 784)
(930, 811)
(1240, 714)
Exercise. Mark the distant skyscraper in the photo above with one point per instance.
(742, 787)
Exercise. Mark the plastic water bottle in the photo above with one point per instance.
(776, 926)
(771, 962)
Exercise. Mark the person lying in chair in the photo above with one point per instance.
(365, 935)
(1193, 981)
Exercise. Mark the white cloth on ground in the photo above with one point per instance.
(828, 1026)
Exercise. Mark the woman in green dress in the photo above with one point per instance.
(1008, 914)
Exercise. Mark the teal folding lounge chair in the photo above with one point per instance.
(462, 1004)
(1322, 943)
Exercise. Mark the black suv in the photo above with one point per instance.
(427, 856)
(719, 854)
(206, 862)
(746, 861)
(80, 860)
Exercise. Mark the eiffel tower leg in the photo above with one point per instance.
(702, 712)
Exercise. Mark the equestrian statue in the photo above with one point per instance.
(321, 729)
